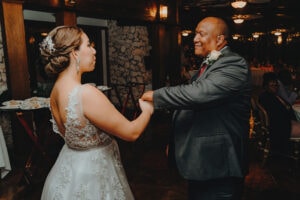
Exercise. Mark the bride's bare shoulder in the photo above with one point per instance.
(90, 90)
(92, 95)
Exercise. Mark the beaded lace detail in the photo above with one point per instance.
(103, 176)
(80, 133)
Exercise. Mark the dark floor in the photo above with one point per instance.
(151, 179)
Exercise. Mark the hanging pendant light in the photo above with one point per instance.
(163, 12)
(238, 3)
(238, 19)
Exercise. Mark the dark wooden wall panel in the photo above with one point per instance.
(18, 73)
(66, 18)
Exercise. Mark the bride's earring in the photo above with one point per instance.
(77, 65)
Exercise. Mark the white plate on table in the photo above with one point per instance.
(27, 104)
(12, 103)
(8, 107)
(35, 103)
(103, 87)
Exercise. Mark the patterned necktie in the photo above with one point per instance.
(202, 69)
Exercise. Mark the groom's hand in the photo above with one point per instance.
(147, 96)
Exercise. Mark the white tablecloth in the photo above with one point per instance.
(296, 109)
(4, 159)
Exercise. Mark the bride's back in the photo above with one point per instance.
(78, 133)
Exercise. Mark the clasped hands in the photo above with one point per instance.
(146, 102)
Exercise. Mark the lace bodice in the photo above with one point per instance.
(89, 165)
(79, 132)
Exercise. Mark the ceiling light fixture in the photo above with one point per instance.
(279, 31)
(163, 12)
(186, 33)
(238, 3)
(236, 36)
(238, 20)
(257, 34)
(70, 3)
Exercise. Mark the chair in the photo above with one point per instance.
(254, 120)
(295, 150)
(264, 140)
(261, 128)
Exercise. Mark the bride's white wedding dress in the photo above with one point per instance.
(89, 164)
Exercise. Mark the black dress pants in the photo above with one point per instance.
(218, 189)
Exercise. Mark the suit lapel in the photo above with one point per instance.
(224, 51)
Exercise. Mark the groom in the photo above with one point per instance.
(211, 119)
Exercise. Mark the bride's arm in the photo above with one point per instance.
(103, 114)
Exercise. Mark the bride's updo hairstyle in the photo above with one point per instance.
(56, 47)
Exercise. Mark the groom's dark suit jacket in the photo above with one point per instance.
(211, 119)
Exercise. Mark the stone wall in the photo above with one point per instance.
(128, 45)
(4, 117)
(3, 85)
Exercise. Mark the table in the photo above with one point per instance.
(26, 117)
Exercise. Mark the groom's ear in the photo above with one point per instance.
(220, 39)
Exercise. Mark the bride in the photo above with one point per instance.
(89, 164)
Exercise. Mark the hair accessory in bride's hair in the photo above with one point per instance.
(48, 44)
